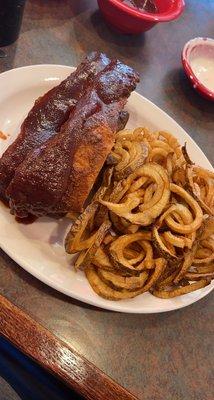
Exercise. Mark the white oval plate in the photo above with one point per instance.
(38, 247)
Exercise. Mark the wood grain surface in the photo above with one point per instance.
(57, 357)
(158, 357)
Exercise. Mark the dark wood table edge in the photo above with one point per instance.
(56, 356)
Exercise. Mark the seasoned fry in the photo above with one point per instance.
(148, 260)
(179, 176)
(102, 261)
(80, 259)
(201, 269)
(186, 155)
(177, 241)
(162, 248)
(102, 289)
(150, 226)
(131, 154)
(208, 228)
(72, 215)
(109, 238)
(121, 225)
(148, 211)
(98, 237)
(116, 252)
(201, 254)
(191, 276)
(160, 265)
(198, 214)
(168, 245)
(168, 294)
(166, 281)
(201, 184)
(205, 258)
(187, 262)
(81, 235)
(104, 192)
(119, 282)
(77, 238)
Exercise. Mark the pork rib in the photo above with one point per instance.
(48, 114)
(58, 176)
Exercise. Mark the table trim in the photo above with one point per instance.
(56, 356)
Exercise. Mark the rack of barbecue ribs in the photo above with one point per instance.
(65, 139)
(47, 116)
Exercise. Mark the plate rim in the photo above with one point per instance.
(108, 305)
(72, 67)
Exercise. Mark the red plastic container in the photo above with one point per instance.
(193, 48)
(129, 20)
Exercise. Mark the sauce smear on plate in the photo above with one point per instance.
(27, 220)
(142, 5)
(3, 136)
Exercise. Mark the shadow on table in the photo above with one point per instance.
(176, 81)
(52, 9)
(92, 33)
(8, 55)
(106, 31)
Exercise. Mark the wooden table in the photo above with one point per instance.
(165, 356)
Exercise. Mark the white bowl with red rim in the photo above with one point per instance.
(198, 63)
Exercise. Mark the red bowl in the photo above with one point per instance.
(198, 47)
(129, 20)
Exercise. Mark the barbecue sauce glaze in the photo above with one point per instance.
(142, 5)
